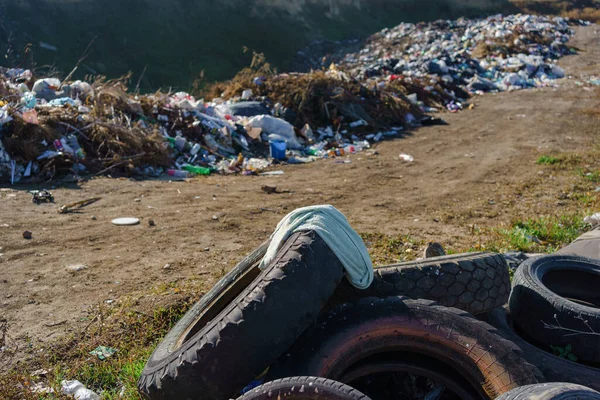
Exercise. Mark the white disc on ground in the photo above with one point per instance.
(126, 221)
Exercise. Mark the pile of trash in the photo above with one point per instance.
(50, 128)
(491, 54)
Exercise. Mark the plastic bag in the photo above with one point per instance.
(276, 128)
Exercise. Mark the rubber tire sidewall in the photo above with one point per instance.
(554, 368)
(253, 330)
(351, 332)
(304, 388)
(532, 305)
(551, 391)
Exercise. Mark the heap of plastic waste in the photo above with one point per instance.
(482, 55)
(50, 128)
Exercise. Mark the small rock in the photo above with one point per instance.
(151, 222)
(138, 200)
(167, 266)
(207, 249)
(214, 217)
(434, 249)
(27, 235)
(94, 218)
(269, 189)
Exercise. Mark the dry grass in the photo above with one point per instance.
(588, 10)
(115, 135)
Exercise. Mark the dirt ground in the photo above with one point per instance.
(476, 170)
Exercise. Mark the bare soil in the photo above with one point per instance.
(480, 169)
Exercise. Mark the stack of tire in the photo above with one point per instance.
(554, 308)
(303, 326)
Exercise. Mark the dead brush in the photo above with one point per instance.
(242, 80)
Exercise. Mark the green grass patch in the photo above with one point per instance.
(544, 234)
(592, 176)
(547, 160)
(134, 334)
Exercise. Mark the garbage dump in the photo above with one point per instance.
(492, 54)
(51, 129)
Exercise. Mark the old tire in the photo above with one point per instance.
(243, 324)
(304, 388)
(473, 282)
(554, 368)
(551, 391)
(383, 331)
(556, 302)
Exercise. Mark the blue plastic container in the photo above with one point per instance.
(278, 149)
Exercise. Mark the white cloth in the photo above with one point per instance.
(333, 227)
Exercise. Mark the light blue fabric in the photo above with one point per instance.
(333, 227)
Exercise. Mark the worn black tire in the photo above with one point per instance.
(473, 282)
(244, 323)
(397, 327)
(551, 391)
(304, 388)
(554, 368)
(550, 290)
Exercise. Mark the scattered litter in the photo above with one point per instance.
(41, 196)
(126, 221)
(76, 267)
(272, 173)
(593, 220)
(67, 208)
(103, 352)
(40, 388)
(78, 390)
(406, 157)
(40, 372)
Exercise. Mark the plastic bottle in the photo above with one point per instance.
(74, 144)
(180, 143)
(176, 173)
(195, 149)
(196, 170)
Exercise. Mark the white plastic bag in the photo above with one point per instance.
(276, 128)
(78, 391)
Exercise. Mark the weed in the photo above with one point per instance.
(564, 352)
(547, 160)
(541, 234)
(593, 176)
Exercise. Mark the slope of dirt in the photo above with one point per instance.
(473, 171)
